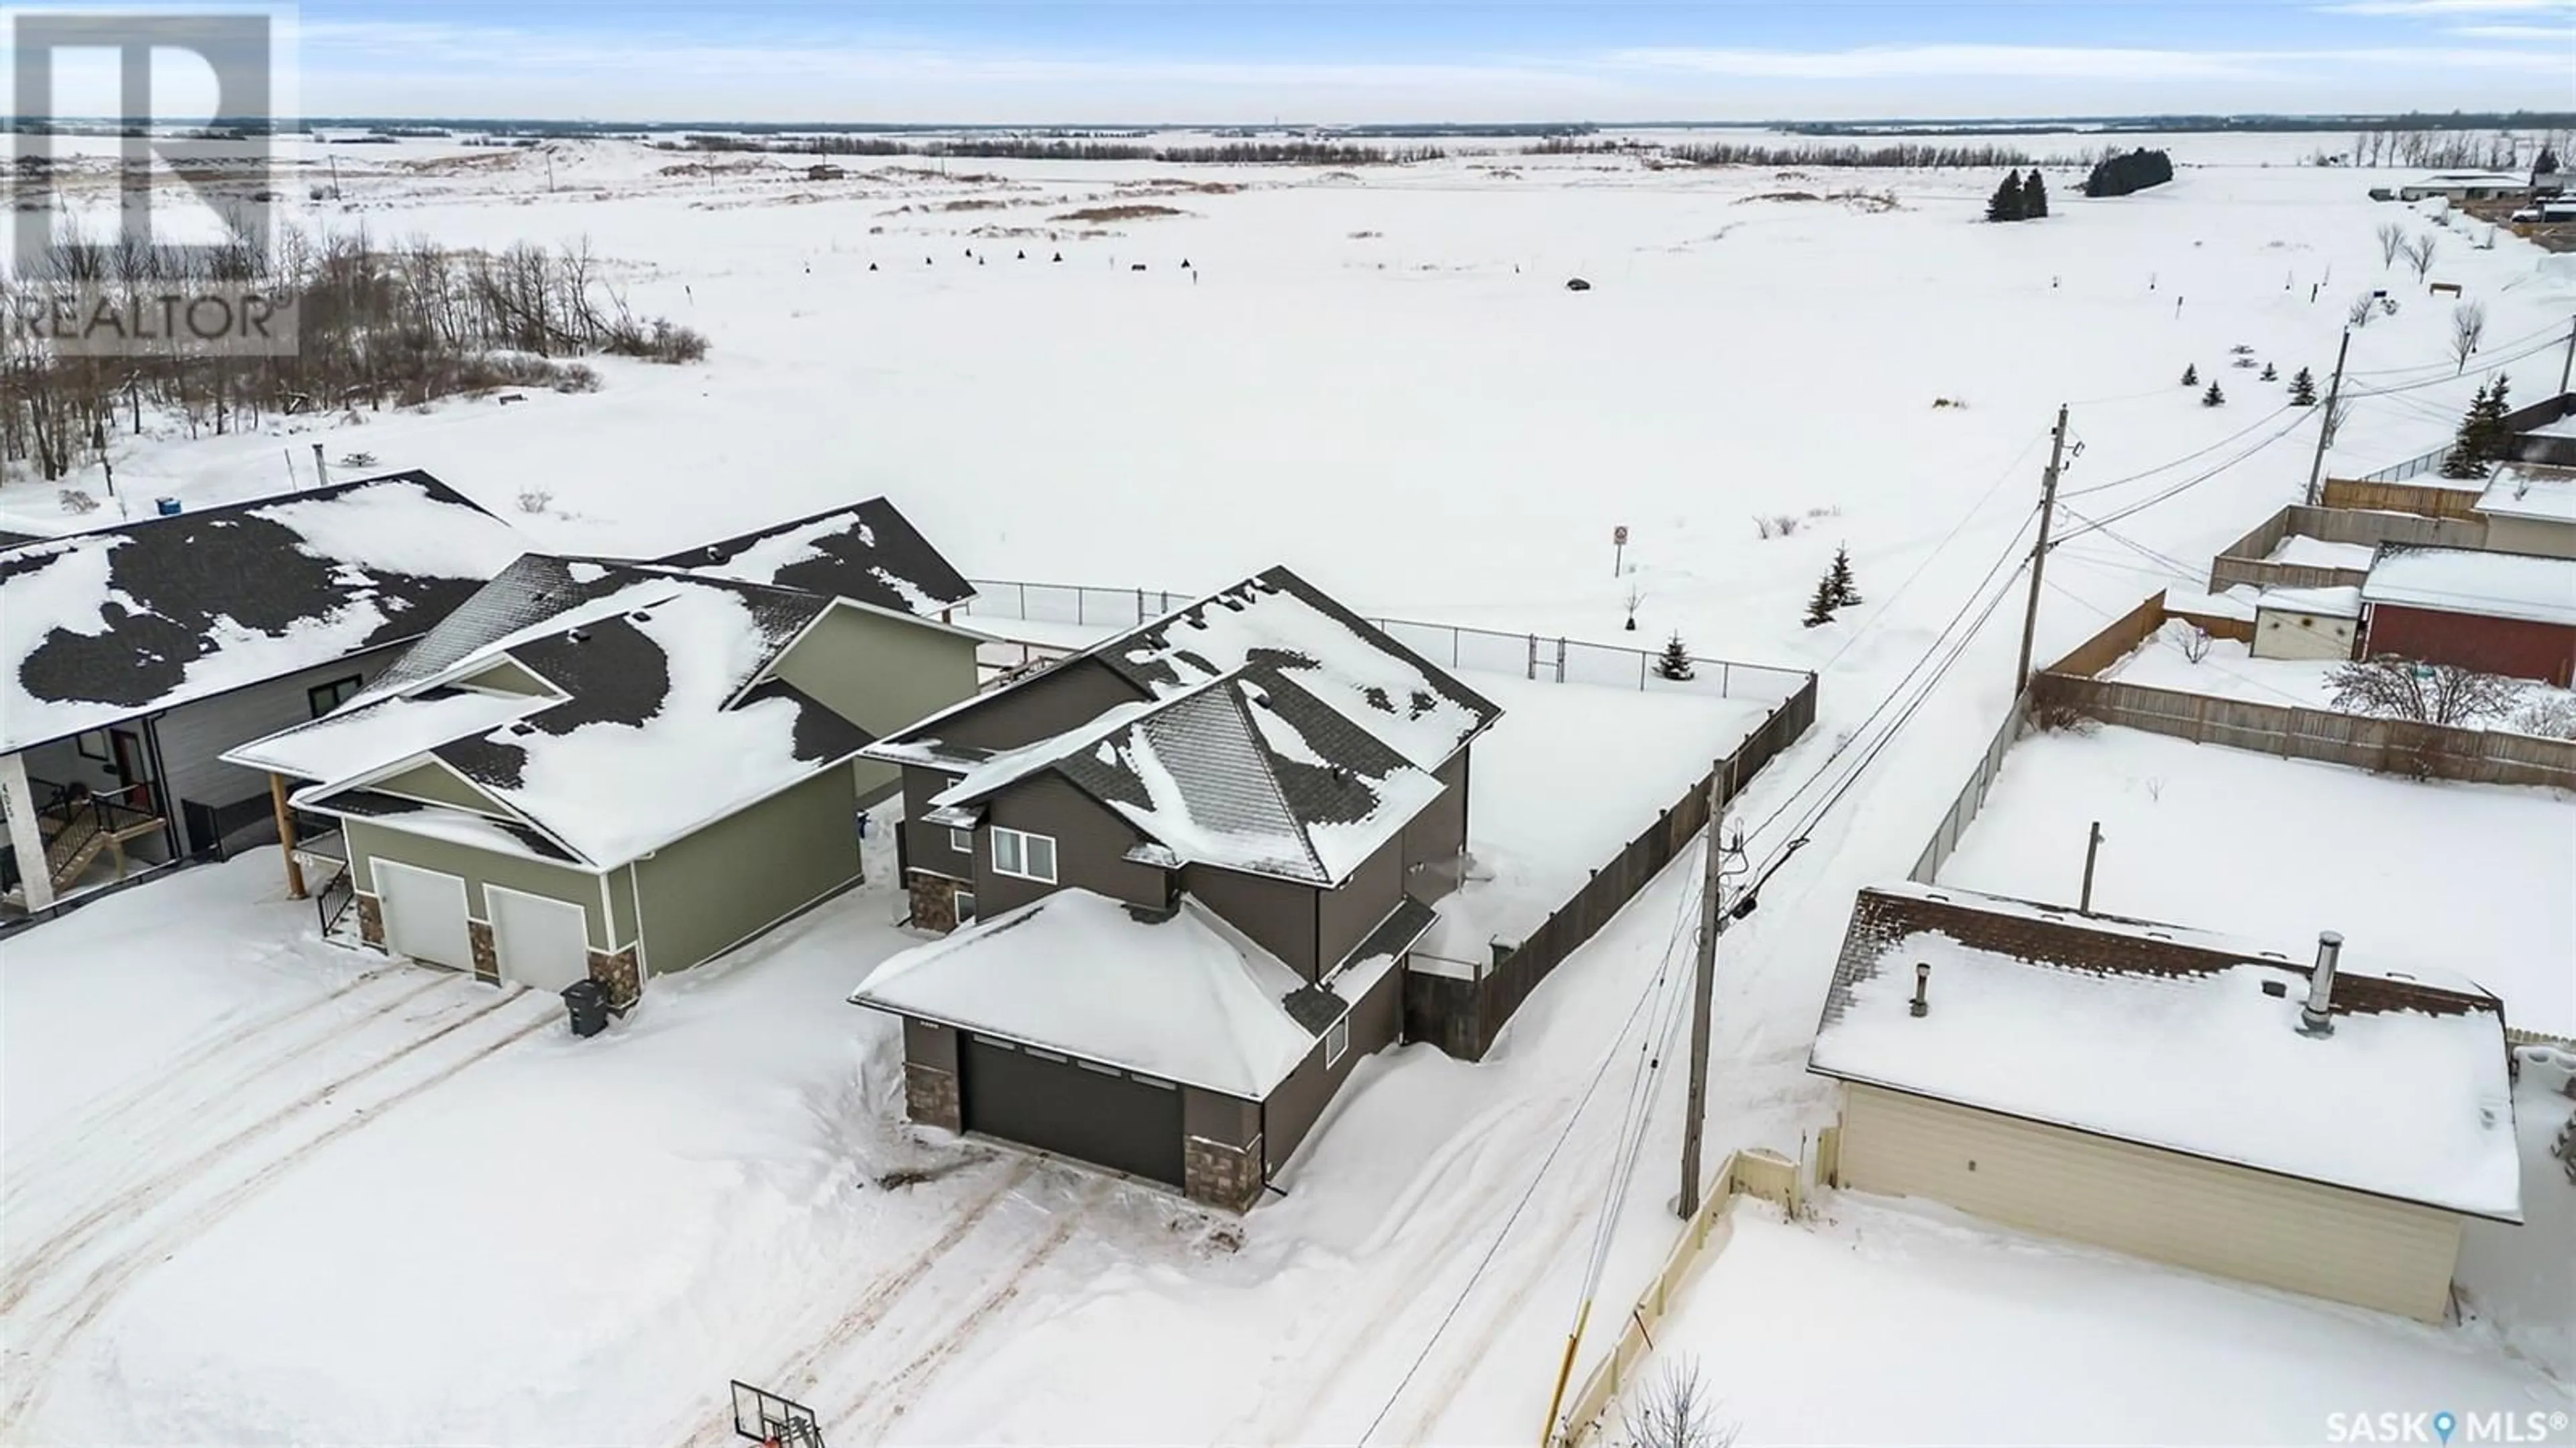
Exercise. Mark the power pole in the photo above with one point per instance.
(2568, 367)
(2039, 551)
(1703, 988)
(2326, 421)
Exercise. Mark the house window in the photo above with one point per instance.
(323, 698)
(965, 907)
(1337, 1041)
(1030, 857)
(962, 841)
(93, 746)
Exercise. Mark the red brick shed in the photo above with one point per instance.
(2498, 613)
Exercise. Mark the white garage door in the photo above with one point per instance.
(424, 914)
(543, 942)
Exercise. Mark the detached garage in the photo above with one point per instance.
(2170, 1094)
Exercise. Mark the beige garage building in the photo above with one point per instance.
(2170, 1094)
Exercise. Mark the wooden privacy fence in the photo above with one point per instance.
(2389, 746)
(1462, 1012)
(2247, 559)
(2425, 498)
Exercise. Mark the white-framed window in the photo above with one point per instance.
(1337, 1040)
(962, 841)
(965, 903)
(1028, 856)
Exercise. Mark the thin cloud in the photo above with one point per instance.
(2436, 9)
(2563, 34)
(2058, 62)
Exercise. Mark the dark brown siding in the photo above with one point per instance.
(1299, 1102)
(926, 845)
(1440, 831)
(929, 1045)
(2511, 646)
(1227, 1119)
(1070, 694)
(1346, 915)
(1089, 844)
(1278, 914)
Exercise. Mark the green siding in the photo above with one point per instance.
(434, 783)
(747, 871)
(621, 904)
(479, 868)
(880, 673)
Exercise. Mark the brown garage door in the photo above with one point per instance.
(1090, 1113)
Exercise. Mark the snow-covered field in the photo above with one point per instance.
(2435, 880)
(1378, 378)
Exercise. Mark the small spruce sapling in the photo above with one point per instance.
(2303, 389)
(2213, 397)
(2271, 373)
(1820, 609)
(2191, 375)
(1846, 592)
(1675, 661)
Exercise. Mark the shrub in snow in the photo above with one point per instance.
(2213, 397)
(2191, 376)
(2551, 718)
(2271, 373)
(76, 501)
(1675, 1411)
(535, 500)
(1776, 525)
(2303, 389)
(2389, 687)
(1820, 608)
(1846, 592)
(1675, 661)
(2195, 642)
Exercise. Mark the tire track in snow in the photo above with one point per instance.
(128, 1205)
(800, 1372)
(39, 1348)
(112, 1118)
(1497, 1321)
(902, 1388)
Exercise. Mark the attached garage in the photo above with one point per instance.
(2163, 1092)
(425, 915)
(538, 941)
(1093, 1113)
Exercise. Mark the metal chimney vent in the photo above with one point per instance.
(2314, 1017)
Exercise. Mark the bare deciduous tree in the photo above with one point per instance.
(2468, 325)
(2394, 688)
(2392, 240)
(2331, 417)
(2364, 307)
(2419, 254)
(2195, 642)
(1676, 1411)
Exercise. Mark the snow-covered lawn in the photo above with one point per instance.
(2433, 879)
(1887, 1321)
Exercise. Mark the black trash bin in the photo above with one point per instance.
(587, 1005)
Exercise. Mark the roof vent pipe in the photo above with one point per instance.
(1922, 986)
(2313, 1017)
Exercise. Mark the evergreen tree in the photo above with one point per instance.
(1675, 661)
(1820, 609)
(2006, 205)
(2034, 196)
(2271, 373)
(2135, 171)
(1846, 591)
(2487, 428)
(2303, 389)
(2213, 397)
(2467, 457)
(2191, 375)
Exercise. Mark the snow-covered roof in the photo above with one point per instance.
(2488, 585)
(867, 552)
(2521, 490)
(2343, 602)
(658, 719)
(1186, 998)
(2170, 1038)
(102, 626)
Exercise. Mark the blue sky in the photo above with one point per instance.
(1079, 62)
